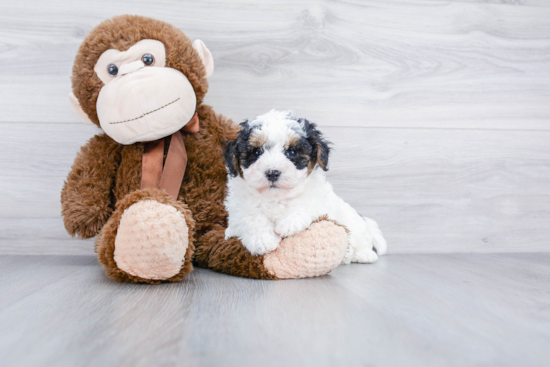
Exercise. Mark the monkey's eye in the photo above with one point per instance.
(291, 153)
(112, 69)
(148, 59)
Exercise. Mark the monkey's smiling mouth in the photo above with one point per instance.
(145, 114)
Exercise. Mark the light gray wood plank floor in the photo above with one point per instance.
(407, 310)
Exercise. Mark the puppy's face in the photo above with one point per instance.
(276, 152)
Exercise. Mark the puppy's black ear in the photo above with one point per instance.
(321, 146)
(232, 158)
(231, 153)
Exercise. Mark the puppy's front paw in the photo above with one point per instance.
(260, 243)
(292, 224)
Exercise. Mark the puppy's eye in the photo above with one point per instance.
(257, 152)
(112, 69)
(291, 153)
(148, 59)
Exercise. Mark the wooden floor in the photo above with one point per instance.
(406, 310)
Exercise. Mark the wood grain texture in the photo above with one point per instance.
(543, 3)
(400, 63)
(439, 109)
(33, 273)
(436, 191)
(431, 190)
(406, 310)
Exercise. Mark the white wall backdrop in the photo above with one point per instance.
(439, 110)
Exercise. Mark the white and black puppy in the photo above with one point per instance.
(277, 187)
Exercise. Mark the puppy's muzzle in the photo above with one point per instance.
(273, 175)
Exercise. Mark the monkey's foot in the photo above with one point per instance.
(148, 239)
(151, 241)
(311, 253)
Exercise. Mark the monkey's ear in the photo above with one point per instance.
(206, 57)
(76, 108)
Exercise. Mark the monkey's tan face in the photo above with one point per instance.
(142, 99)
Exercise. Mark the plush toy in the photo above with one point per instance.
(152, 185)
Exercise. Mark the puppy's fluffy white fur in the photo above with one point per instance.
(263, 209)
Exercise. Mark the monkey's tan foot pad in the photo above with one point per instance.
(152, 240)
(313, 252)
(148, 239)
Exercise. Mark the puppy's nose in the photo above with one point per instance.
(273, 175)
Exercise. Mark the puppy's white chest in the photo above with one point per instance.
(273, 210)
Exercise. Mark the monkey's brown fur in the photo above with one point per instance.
(228, 256)
(106, 176)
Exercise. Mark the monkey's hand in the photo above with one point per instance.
(86, 196)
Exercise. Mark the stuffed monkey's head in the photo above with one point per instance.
(139, 79)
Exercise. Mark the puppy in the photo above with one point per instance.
(277, 186)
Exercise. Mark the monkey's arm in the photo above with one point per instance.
(313, 252)
(86, 196)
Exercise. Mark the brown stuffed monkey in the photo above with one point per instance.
(151, 187)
